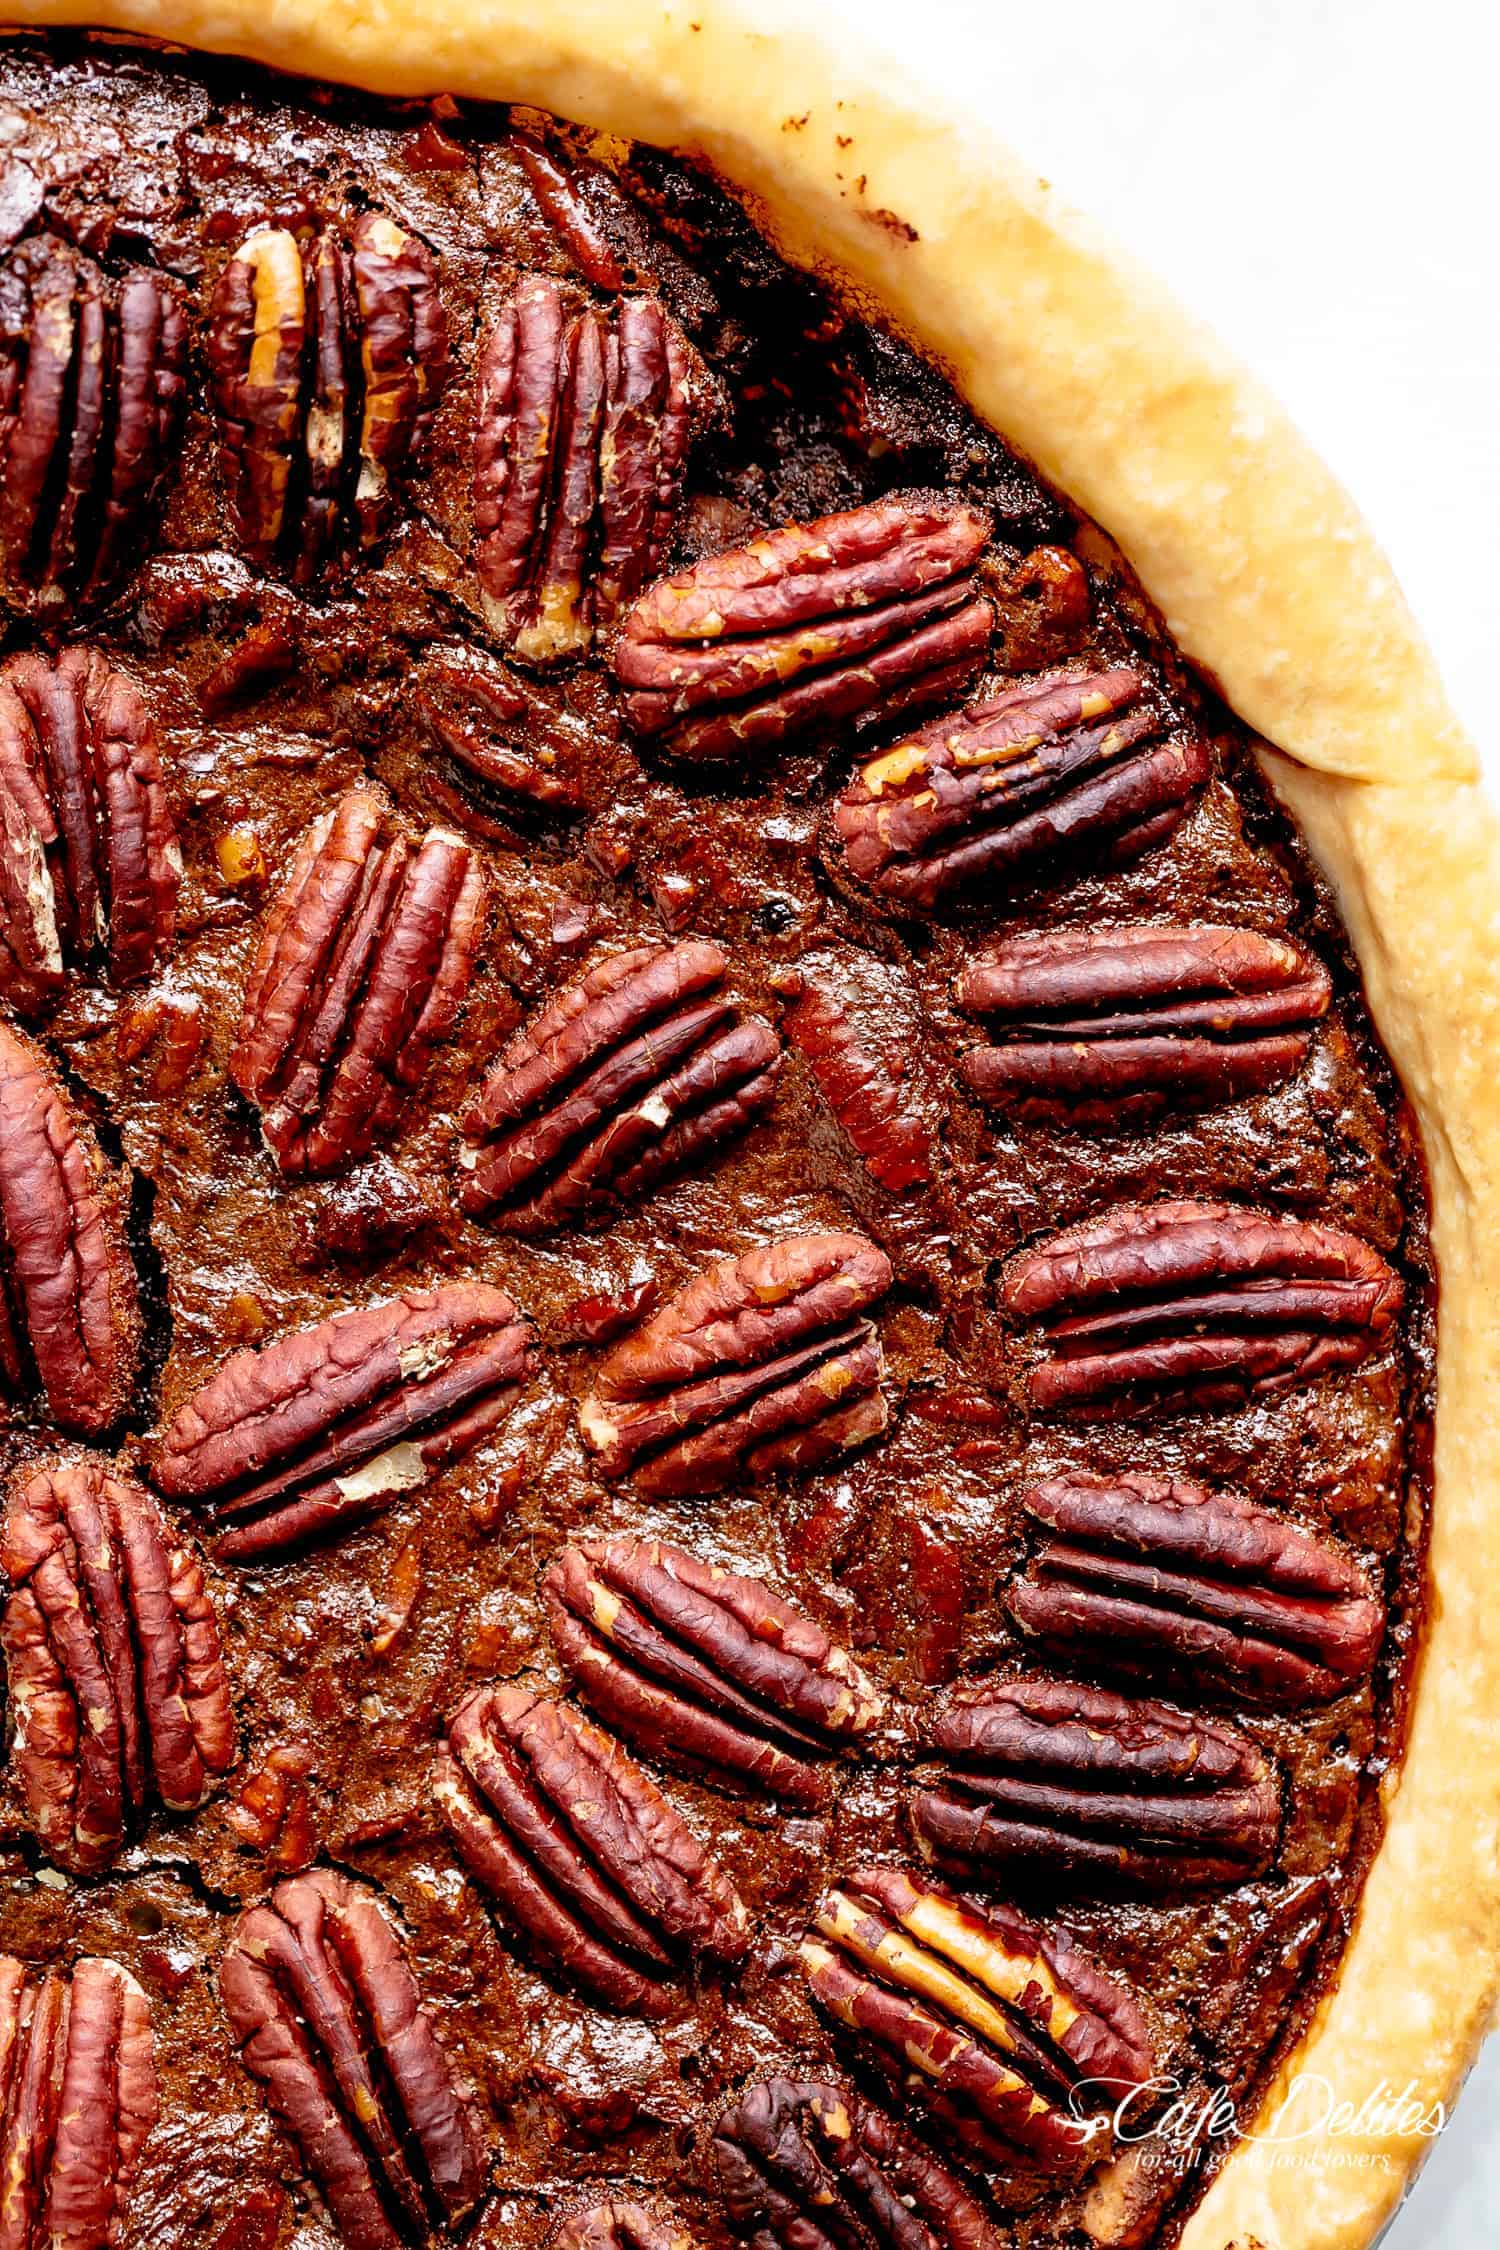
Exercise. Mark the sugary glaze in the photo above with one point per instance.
(346, 1662)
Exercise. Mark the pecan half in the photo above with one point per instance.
(809, 627)
(1101, 1026)
(117, 1683)
(761, 1363)
(618, 2226)
(91, 390)
(556, 188)
(330, 2021)
(857, 1041)
(808, 2166)
(89, 857)
(327, 360)
(640, 1068)
(501, 736)
(1201, 1588)
(70, 1321)
(1010, 2033)
(584, 425)
(580, 1851)
(77, 2102)
(704, 1667)
(1165, 1305)
(1052, 1781)
(328, 1425)
(364, 960)
(1067, 768)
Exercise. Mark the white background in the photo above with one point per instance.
(1318, 179)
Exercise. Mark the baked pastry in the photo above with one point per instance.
(719, 1313)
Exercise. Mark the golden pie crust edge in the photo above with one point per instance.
(1267, 576)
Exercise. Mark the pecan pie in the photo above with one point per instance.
(717, 1317)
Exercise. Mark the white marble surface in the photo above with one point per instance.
(1318, 179)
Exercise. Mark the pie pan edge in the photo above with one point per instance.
(1268, 579)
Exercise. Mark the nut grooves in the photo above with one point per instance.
(89, 857)
(763, 1363)
(91, 394)
(580, 1851)
(117, 1682)
(1066, 769)
(633, 1073)
(330, 2021)
(584, 424)
(363, 964)
(874, 610)
(328, 358)
(705, 1668)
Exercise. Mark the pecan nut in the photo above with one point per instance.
(77, 2102)
(1051, 1781)
(558, 189)
(1200, 1588)
(1165, 1305)
(326, 1426)
(584, 425)
(363, 964)
(761, 1363)
(117, 1683)
(704, 1667)
(618, 2225)
(505, 742)
(580, 1851)
(91, 391)
(89, 857)
(327, 360)
(634, 1072)
(1009, 2033)
(1072, 767)
(331, 2023)
(856, 1041)
(808, 2166)
(70, 1320)
(874, 610)
(1098, 1026)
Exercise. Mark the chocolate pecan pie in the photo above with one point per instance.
(726, 1425)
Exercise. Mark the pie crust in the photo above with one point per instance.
(1269, 581)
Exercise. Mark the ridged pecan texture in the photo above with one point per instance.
(363, 964)
(1016, 2039)
(1161, 1306)
(1110, 1026)
(331, 2023)
(809, 2166)
(1050, 1782)
(497, 732)
(1199, 1587)
(70, 1322)
(117, 1685)
(1061, 770)
(89, 858)
(844, 1024)
(618, 2225)
(91, 391)
(77, 2103)
(558, 187)
(580, 1851)
(639, 1070)
(329, 1424)
(585, 420)
(705, 1668)
(871, 611)
(327, 359)
(764, 1362)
